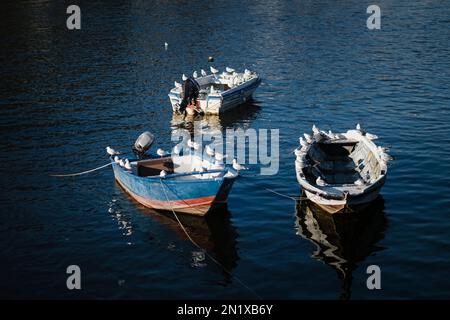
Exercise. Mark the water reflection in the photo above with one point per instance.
(342, 240)
(243, 115)
(214, 233)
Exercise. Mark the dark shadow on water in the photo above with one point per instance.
(343, 240)
(214, 233)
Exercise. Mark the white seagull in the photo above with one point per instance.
(163, 173)
(298, 152)
(190, 143)
(203, 72)
(358, 127)
(176, 150)
(229, 70)
(127, 164)
(116, 159)
(196, 146)
(219, 157)
(315, 129)
(237, 166)
(195, 74)
(213, 70)
(160, 152)
(111, 151)
(184, 77)
(121, 163)
(320, 182)
(303, 143)
(209, 151)
(308, 138)
(177, 84)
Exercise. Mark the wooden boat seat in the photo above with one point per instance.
(153, 167)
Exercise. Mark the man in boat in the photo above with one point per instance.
(191, 89)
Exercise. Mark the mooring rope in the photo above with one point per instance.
(80, 173)
(294, 198)
(203, 250)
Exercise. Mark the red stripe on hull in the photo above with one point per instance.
(198, 206)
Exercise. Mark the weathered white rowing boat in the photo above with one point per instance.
(340, 170)
(219, 92)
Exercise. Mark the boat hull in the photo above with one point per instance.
(195, 197)
(351, 203)
(331, 205)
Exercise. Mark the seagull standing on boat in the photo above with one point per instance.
(160, 152)
(195, 75)
(176, 150)
(190, 143)
(121, 163)
(116, 159)
(229, 70)
(315, 130)
(219, 157)
(320, 182)
(303, 143)
(111, 151)
(184, 77)
(237, 166)
(308, 138)
(163, 173)
(203, 72)
(178, 85)
(209, 151)
(213, 70)
(127, 164)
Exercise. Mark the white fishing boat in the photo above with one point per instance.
(218, 92)
(340, 170)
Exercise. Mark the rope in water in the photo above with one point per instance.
(80, 173)
(281, 194)
(203, 250)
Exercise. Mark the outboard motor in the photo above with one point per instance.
(142, 144)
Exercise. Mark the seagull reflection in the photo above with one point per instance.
(342, 240)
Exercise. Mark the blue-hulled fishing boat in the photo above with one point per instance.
(188, 183)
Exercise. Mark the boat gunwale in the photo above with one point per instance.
(177, 175)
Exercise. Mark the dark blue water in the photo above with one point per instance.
(66, 95)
